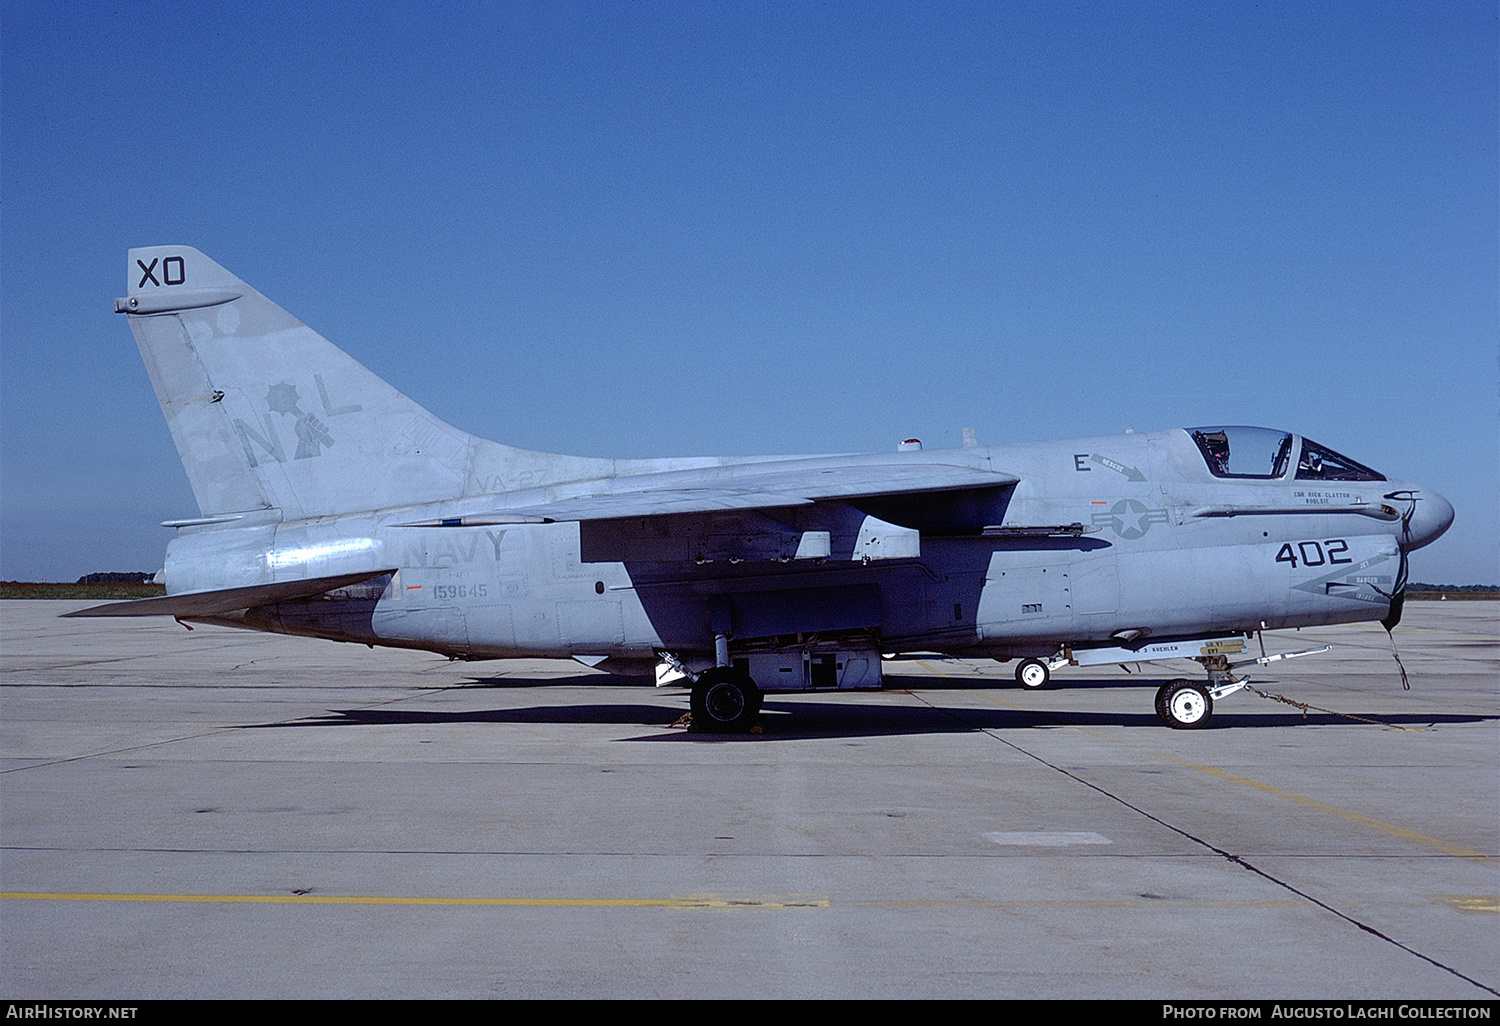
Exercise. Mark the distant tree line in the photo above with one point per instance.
(1458, 589)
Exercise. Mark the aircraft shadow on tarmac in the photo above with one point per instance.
(846, 715)
(904, 682)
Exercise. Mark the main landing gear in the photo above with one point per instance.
(725, 701)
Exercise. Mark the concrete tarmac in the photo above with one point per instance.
(220, 814)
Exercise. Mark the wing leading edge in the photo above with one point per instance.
(647, 495)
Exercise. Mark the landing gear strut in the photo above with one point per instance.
(1181, 704)
(1185, 705)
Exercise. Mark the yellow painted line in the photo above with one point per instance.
(1144, 903)
(1391, 829)
(1425, 840)
(700, 901)
(768, 903)
(1475, 902)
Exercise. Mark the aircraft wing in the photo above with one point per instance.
(708, 490)
(750, 487)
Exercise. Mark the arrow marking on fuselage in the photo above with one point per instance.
(1131, 473)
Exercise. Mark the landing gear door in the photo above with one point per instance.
(812, 669)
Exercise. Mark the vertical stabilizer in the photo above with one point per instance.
(265, 412)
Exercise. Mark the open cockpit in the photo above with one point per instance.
(1264, 454)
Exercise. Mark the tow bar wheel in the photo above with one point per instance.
(725, 701)
(1184, 705)
(1033, 674)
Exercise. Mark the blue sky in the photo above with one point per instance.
(674, 229)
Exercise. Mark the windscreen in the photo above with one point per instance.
(1320, 463)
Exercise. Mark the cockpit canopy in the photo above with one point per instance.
(1263, 453)
(1244, 451)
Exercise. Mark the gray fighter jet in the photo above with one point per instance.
(331, 505)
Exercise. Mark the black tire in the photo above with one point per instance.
(725, 701)
(1033, 674)
(1184, 705)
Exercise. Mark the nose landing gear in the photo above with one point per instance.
(1184, 705)
(1033, 674)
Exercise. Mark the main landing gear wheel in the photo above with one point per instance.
(1033, 674)
(725, 701)
(1184, 705)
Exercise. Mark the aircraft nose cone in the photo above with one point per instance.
(1433, 515)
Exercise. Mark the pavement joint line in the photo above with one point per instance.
(1229, 856)
(691, 902)
(1404, 833)
(708, 902)
(1390, 829)
(194, 737)
(44, 763)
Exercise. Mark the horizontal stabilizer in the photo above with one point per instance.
(212, 603)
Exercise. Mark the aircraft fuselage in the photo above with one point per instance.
(1101, 535)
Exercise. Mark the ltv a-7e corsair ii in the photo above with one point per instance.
(331, 505)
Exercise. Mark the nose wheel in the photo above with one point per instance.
(1033, 674)
(1184, 705)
